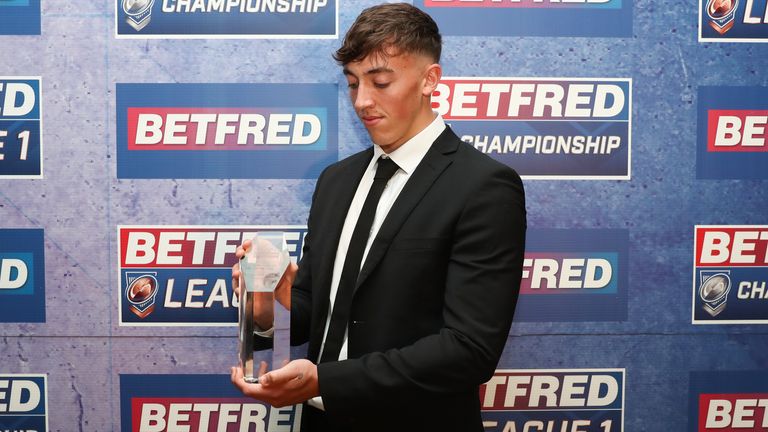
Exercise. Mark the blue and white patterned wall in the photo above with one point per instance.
(80, 201)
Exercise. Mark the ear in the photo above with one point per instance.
(431, 79)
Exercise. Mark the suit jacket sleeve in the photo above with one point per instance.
(480, 293)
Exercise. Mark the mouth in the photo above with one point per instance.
(369, 120)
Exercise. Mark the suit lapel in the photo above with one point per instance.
(437, 159)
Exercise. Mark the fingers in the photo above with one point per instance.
(236, 375)
(266, 379)
(262, 370)
(283, 288)
(289, 372)
(236, 279)
(240, 253)
(294, 383)
(242, 249)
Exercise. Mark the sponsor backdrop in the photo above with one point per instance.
(174, 129)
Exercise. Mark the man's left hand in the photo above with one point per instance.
(293, 383)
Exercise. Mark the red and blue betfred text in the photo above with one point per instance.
(731, 133)
(549, 400)
(728, 401)
(181, 275)
(574, 275)
(545, 128)
(258, 131)
(159, 403)
(730, 274)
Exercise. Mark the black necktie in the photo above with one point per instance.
(343, 303)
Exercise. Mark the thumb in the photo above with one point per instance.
(277, 377)
(266, 379)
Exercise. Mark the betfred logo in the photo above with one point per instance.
(737, 130)
(546, 128)
(158, 403)
(181, 275)
(731, 133)
(550, 273)
(22, 275)
(207, 414)
(733, 412)
(730, 274)
(733, 21)
(20, 128)
(731, 246)
(520, 99)
(226, 130)
(574, 275)
(728, 401)
(584, 400)
(221, 129)
(23, 402)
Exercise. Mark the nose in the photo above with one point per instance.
(361, 98)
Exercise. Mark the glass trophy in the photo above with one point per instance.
(261, 310)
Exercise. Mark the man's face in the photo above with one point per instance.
(391, 95)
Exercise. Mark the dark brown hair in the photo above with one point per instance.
(390, 29)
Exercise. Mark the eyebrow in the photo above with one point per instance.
(376, 70)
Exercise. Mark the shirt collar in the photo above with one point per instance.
(408, 155)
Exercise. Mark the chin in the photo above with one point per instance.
(376, 139)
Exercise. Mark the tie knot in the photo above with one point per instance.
(386, 169)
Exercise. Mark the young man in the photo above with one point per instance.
(406, 298)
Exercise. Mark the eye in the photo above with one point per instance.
(352, 85)
(381, 85)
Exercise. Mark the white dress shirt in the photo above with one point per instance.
(407, 157)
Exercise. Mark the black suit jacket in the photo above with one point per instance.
(435, 297)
